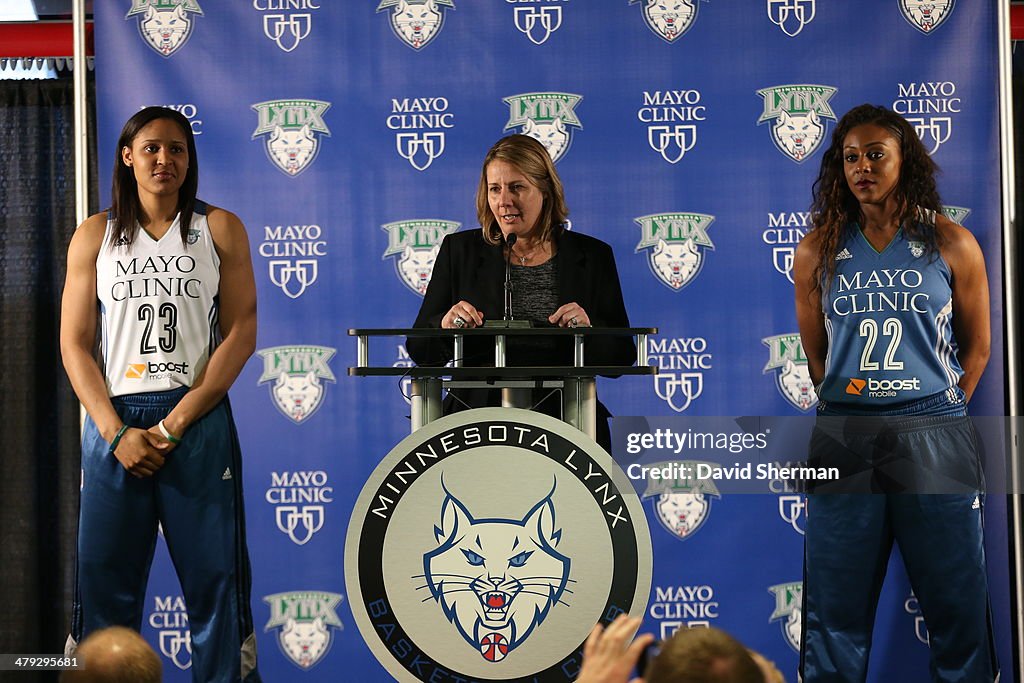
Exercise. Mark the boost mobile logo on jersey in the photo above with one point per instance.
(295, 128)
(787, 360)
(165, 25)
(926, 15)
(423, 122)
(788, 610)
(677, 607)
(483, 582)
(929, 107)
(170, 620)
(416, 22)
(791, 15)
(299, 499)
(683, 505)
(671, 115)
(306, 623)
(669, 19)
(800, 114)
(681, 364)
(293, 255)
(785, 230)
(537, 19)
(547, 116)
(286, 29)
(297, 372)
(414, 245)
(676, 243)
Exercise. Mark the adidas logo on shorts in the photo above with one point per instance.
(226, 475)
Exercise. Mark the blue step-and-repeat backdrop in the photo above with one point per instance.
(348, 137)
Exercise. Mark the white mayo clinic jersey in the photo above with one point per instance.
(158, 306)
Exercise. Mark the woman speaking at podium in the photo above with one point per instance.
(559, 278)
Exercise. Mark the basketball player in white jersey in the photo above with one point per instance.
(170, 281)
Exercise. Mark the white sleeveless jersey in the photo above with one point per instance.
(158, 305)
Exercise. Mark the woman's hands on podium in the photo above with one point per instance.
(570, 315)
(462, 315)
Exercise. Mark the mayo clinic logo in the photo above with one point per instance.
(682, 505)
(671, 115)
(286, 28)
(416, 22)
(483, 582)
(169, 619)
(165, 25)
(681, 364)
(800, 114)
(913, 608)
(789, 364)
(669, 19)
(788, 610)
(677, 607)
(413, 244)
(785, 230)
(293, 129)
(537, 19)
(422, 122)
(929, 107)
(297, 373)
(190, 112)
(926, 15)
(306, 622)
(791, 15)
(299, 499)
(676, 244)
(293, 255)
(548, 117)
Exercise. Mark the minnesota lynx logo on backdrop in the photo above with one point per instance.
(423, 121)
(299, 499)
(307, 623)
(791, 15)
(547, 116)
(929, 108)
(293, 255)
(913, 608)
(165, 25)
(800, 114)
(788, 610)
(295, 129)
(416, 22)
(170, 620)
(676, 244)
(682, 505)
(926, 15)
(669, 19)
(671, 115)
(414, 245)
(787, 360)
(785, 230)
(297, 372)
(537, 19)
(286, 28)
(677, 607)
(681, 364)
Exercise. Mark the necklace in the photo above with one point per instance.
(523, 258)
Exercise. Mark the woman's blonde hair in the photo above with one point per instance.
(533, 160)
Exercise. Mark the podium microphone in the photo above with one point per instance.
(509, 242)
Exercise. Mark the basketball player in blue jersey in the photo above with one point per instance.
(171, 279)
(893, 306)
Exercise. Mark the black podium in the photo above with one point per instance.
(576, 382)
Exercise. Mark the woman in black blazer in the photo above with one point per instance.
(560, 278)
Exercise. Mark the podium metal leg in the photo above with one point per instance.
(425, 393)
(514, 397)
(579, 404)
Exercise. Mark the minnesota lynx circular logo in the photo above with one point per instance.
(165, 25)
(549, 117)
(800, 113)
(676, 243)
(788, 611)
(926, 15)
(413, 245)
(487, 545)
(669, 19)
(416, 22)
(682, 505)
(296, 373)
(789, 363)
(295, 128)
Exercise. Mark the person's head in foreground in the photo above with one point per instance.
(703, 655)
(115, 655)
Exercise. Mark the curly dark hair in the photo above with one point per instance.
(834, 206)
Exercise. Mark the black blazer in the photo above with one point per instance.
(469, 269)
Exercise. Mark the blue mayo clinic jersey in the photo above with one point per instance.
(888, 317)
